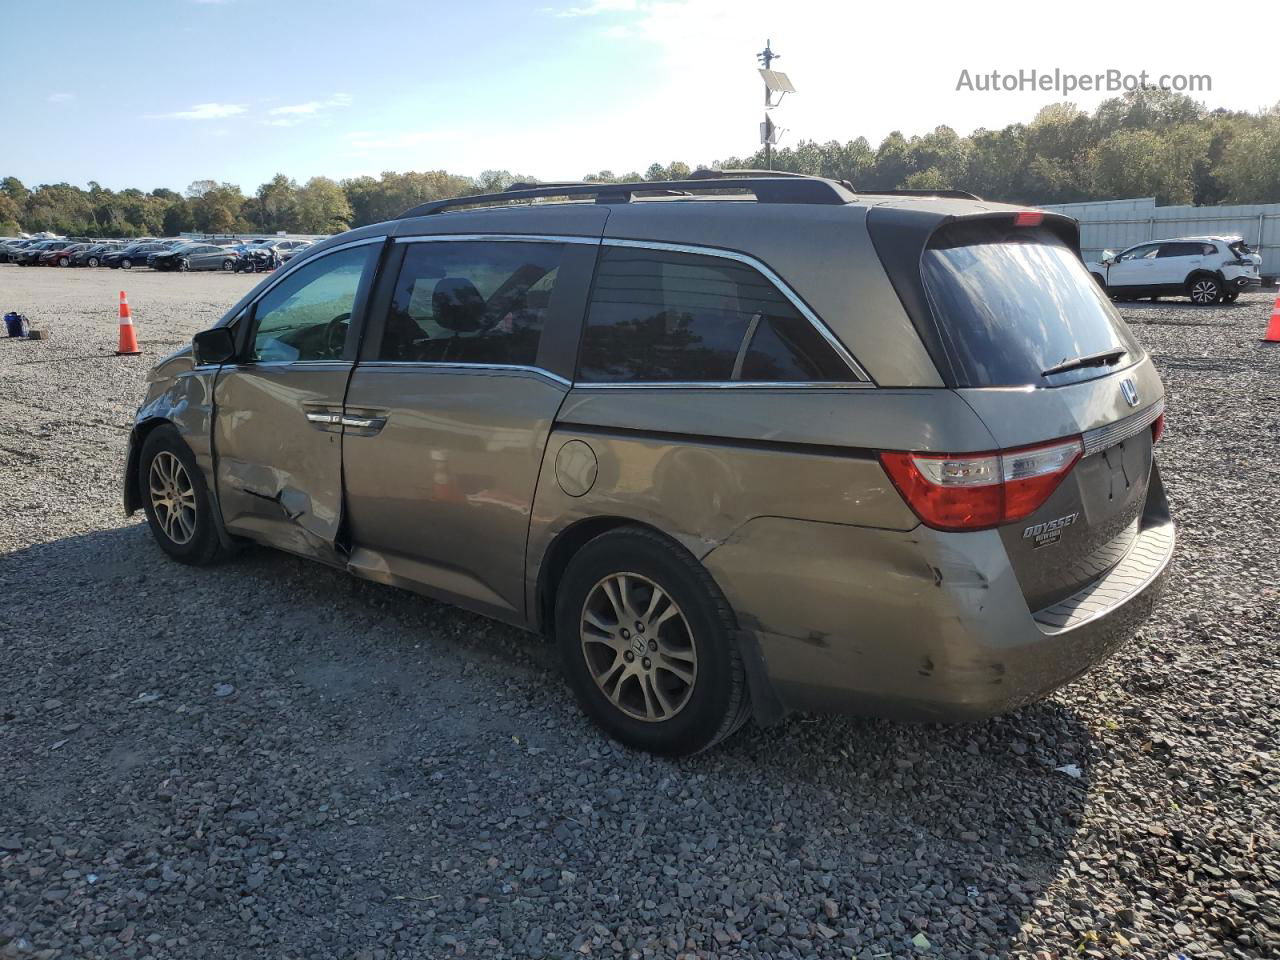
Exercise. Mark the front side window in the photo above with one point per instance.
(668, 316)
(306, 315)
(1139, 253)
(471, 301)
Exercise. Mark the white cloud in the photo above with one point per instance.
(201, 111)
(597, 7)
(61, 97)
(292, 114)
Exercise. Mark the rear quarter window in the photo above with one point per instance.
(1011, 302)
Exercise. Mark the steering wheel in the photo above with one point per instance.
(335, 334)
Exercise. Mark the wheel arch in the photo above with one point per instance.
(1201, 272)
(137, 438)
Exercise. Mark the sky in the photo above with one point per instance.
(158, 93)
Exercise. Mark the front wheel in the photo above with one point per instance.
(176, 499)
(228, 264)
(64, 262)
(1204, 291)
(647, 644)
(126, 264)
(184, 265)
(93, 261)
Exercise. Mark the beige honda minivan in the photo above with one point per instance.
(739, 444)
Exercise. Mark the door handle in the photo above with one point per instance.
(325, 419)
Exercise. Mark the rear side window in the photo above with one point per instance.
(1183, 250)
(471, 301)
(1011, 302)
(666, 316)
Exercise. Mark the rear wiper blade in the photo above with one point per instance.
(1104, 358)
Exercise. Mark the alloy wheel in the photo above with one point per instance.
(173, 498)
(638, 647)
(1204, 291)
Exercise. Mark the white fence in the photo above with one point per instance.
(1116, 224)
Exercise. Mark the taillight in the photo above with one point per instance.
(974, 491)
(1028, 218)
(1157, 429)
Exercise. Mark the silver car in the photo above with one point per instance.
(737, 445)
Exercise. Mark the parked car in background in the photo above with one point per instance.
(29, 256)
(1206, 269)
(60, 255)
(91, 254)
(134, 255)
(193, 256)
(666, 434)
(285, 249)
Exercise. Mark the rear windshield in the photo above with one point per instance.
(1011, 302)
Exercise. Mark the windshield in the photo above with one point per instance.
(1013, 302)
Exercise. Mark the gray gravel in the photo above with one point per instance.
(270, 759)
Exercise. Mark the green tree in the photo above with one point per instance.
(321, 207)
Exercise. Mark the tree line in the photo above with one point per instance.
(1146, 143)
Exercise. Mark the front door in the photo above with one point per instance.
(1134, 269)
(278, 426)
(460, 379)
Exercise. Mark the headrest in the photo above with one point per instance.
(457, 305)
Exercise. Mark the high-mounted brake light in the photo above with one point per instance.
(1028, 218)
(1157, 429)
(974, 491)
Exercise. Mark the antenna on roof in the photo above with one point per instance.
(775, 81)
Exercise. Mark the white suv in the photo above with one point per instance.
(1206, 269)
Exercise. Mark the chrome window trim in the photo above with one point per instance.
(447, 365)
(769, 274)
(726, 385)
(499, 237)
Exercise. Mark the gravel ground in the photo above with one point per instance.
(271, 759)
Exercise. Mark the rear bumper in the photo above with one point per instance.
(1243, 283)
(923, 625)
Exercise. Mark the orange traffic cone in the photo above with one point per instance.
(128, 341)
(1273, 328)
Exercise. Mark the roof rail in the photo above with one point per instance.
(948, 194)
(707, 173)
(767, 189)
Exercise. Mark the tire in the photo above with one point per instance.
(64, 262)
(1231, 297)
(126, 264)
(685, 715)
(92, 262)
(1097, 278)
(1204, 290)
(184, 265)
(188, 533)
(227, 265)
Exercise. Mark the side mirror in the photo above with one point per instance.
(214, 347)
(1108, 256)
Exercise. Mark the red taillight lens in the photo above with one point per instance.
(1028, 218)
(973, 491)
(1157, 429)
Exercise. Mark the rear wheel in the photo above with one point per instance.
(1204, 290)
(176, 500)
(647, 644)
(1231, 297)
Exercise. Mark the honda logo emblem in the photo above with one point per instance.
(1130, 391)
